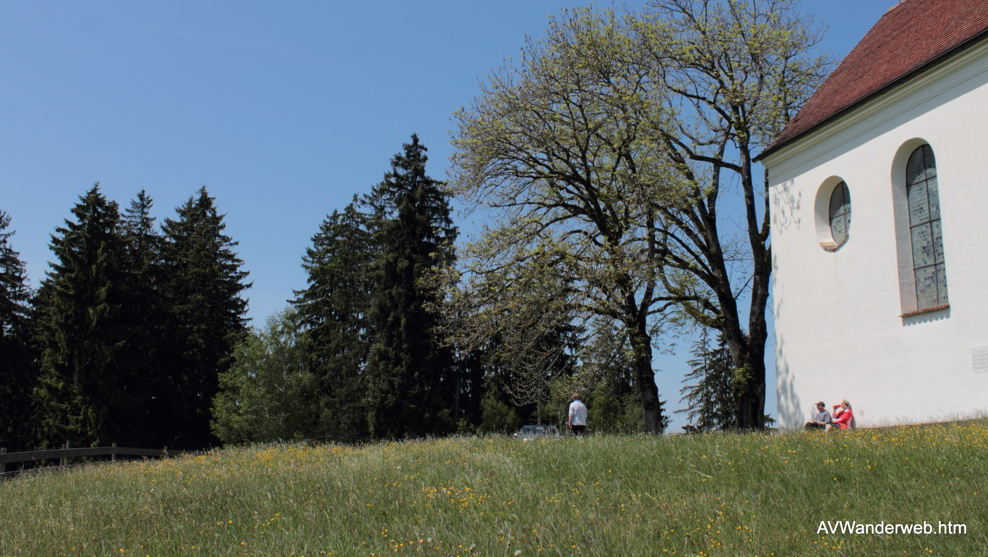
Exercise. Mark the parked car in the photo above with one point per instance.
(531, 432)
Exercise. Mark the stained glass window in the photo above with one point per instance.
(923, 195)
(840, 213)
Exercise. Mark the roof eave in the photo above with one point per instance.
(878, 92)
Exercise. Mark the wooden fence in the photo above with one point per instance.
(65, 455)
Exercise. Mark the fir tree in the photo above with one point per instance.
(709, 391)
(14, 292)
(81, 395)
(207, 315)
(145, 314)
(17, 370)
(410, 377)
(333, 311)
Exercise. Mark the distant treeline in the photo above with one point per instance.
(615, 166)
(138, 335)
(125, 337)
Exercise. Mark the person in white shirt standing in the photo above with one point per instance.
(577, 415)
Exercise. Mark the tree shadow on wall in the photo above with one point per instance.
(788, 200)
(789, 404)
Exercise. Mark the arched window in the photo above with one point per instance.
(926, 234)
(840, 213)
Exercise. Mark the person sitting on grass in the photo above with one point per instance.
(822, 419)
(843, 415)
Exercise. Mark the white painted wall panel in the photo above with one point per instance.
(838, 315)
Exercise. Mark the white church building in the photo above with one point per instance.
(879, 208)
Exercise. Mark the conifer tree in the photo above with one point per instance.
(207, 315)
(333, 311)
(410, 377)
(709, 390)
(82, 393)
(145, 314)
(14, 292)
(17, 369)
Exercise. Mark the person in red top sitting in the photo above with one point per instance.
(843, 415)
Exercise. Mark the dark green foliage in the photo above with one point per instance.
(497, 414)
(269, 394)
(486, 400)
(14, 293)
(207, 315)
(613, 398)
(18, 371)
(614, 404)
(146, 316)
(410, 375)
(614, 410)
(83, 395)
(371, 314)
(469, 390)
(522, 320)
(333, 311)
(709, 391)
(132, 328)
(542, 382)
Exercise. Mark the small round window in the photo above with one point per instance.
(840, 213)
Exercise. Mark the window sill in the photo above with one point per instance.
(927, 310)
(832, 246)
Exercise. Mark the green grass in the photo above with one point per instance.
(606, 495)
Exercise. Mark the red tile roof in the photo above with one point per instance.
(908, 39)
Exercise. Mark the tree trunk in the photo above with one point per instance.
(750, 404)
(641, 347)
(753, 414)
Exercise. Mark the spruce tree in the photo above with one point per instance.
(17, 369)
(709, 391)
(14, 292)
(145, 314)
(333, 311)
(410, 376)
(82, 393)
(207, 315)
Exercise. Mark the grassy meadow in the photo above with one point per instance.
(705, 495)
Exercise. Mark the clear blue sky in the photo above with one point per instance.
(284, 110)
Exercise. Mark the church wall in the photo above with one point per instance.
(843, 323)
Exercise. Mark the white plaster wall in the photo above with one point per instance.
(840, 332)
